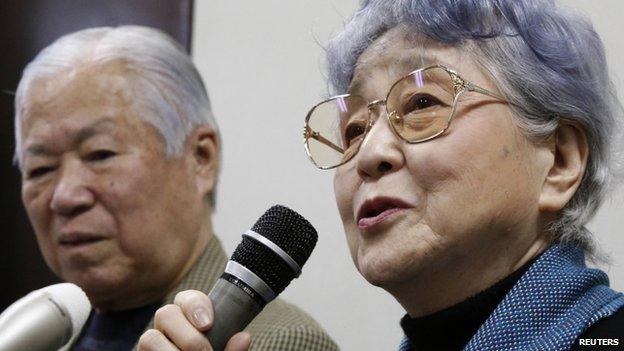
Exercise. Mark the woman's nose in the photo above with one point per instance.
(72, 195)
(380, 152)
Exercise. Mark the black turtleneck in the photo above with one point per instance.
(453, 327)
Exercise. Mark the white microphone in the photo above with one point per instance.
(45, 319)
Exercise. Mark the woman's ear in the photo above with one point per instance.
(570, 150)
(204, 147)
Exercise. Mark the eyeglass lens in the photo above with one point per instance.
(419, 107)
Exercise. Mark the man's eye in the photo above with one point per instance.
(100, 155)
(39, 171)
(419, 102)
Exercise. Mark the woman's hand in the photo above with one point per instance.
(180, 326)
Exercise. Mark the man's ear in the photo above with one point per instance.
(570, 150)
(204, 147)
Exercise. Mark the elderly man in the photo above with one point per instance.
(119, 155)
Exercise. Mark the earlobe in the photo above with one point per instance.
(205, 151)
(570, 151)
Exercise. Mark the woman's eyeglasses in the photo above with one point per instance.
(419, 107)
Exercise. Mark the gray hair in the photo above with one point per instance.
(546, 59)
(172, 90)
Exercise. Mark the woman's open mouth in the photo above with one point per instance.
(376, 210)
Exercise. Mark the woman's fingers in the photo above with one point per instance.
(197, 308)
(154, 340)
(172, 322)
(239, 342)
(179, 326)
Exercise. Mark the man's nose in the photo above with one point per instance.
(380, 152)
(72, 194)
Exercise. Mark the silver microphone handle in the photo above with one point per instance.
(233, 311)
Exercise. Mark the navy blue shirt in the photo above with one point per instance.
(115, 330)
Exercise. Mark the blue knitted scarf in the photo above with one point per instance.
(551, 305)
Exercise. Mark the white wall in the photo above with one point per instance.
(608, 224)
(262, 62)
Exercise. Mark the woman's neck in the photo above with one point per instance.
(441, 287)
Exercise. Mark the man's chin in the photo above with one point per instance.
(83, 257)
(100, 285)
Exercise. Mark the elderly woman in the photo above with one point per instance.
(471, 144)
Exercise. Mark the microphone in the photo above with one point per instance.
(268, 258)
(45, 319)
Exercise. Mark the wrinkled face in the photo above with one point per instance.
(111, 213)
(445, 206)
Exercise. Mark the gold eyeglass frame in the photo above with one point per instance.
(460, 85)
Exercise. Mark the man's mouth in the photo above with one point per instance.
(78, 239)
(376, 210)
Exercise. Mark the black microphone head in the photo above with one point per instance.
(288, 230)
